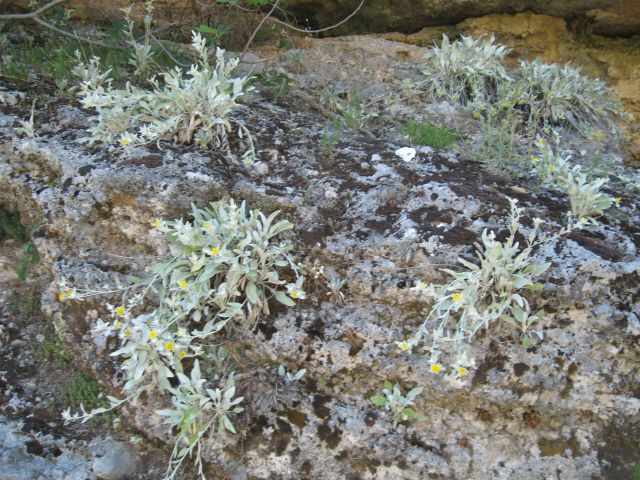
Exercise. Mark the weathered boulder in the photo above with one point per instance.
(620, 19)
(567, 406)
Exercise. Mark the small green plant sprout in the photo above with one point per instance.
(335, 286)
(225, 264)
(430, 135)
(400, 406)
(274, 81)
(27, 127)
(289, 378)
(193, 109)
(214, 34)
(562, 95)
(521, 317)
(198, 411)
(350, 106)
(467, 70)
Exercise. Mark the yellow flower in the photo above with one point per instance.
(534, 159)
(61, 297)
(153, 334)
(157, 223)
(436, 368)
(632, 117)
(182, 354)
(295, 294)
(118, 323)
(120, 310)
(476, 115)
(127, 332)
(463, 372)
(617, 200)
(404, 346)
(456, 297)
(124, 142)
(183, 283)
(169, 346)
(207, 225)
(215, 251)
(552, 168)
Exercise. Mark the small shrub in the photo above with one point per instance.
(225, 265)
(192, 109)
(483, 293)
(431, 135)
(467, 70)
(397, 404)
(552, 94)
(498, 144)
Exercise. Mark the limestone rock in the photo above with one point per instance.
(566, 406)
(115, 461)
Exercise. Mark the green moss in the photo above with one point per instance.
(84, 390)
(431, 135)
(51, 348)
(11, 227)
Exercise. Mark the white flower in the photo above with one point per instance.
(406, 153)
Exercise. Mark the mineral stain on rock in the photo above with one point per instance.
(331, 437)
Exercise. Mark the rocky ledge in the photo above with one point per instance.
(565, 407)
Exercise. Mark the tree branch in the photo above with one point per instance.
(32, 15)
(35, 16)
(255, 30)
(319, 30)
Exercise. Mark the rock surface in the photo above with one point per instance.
(566, 407)
(24, 457)
(114, 461)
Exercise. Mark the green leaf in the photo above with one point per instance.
(379, 400)
(252, 292)
(410, 412)
(282, 298)
(207, 29)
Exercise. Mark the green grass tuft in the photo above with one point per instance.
(431, 135)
